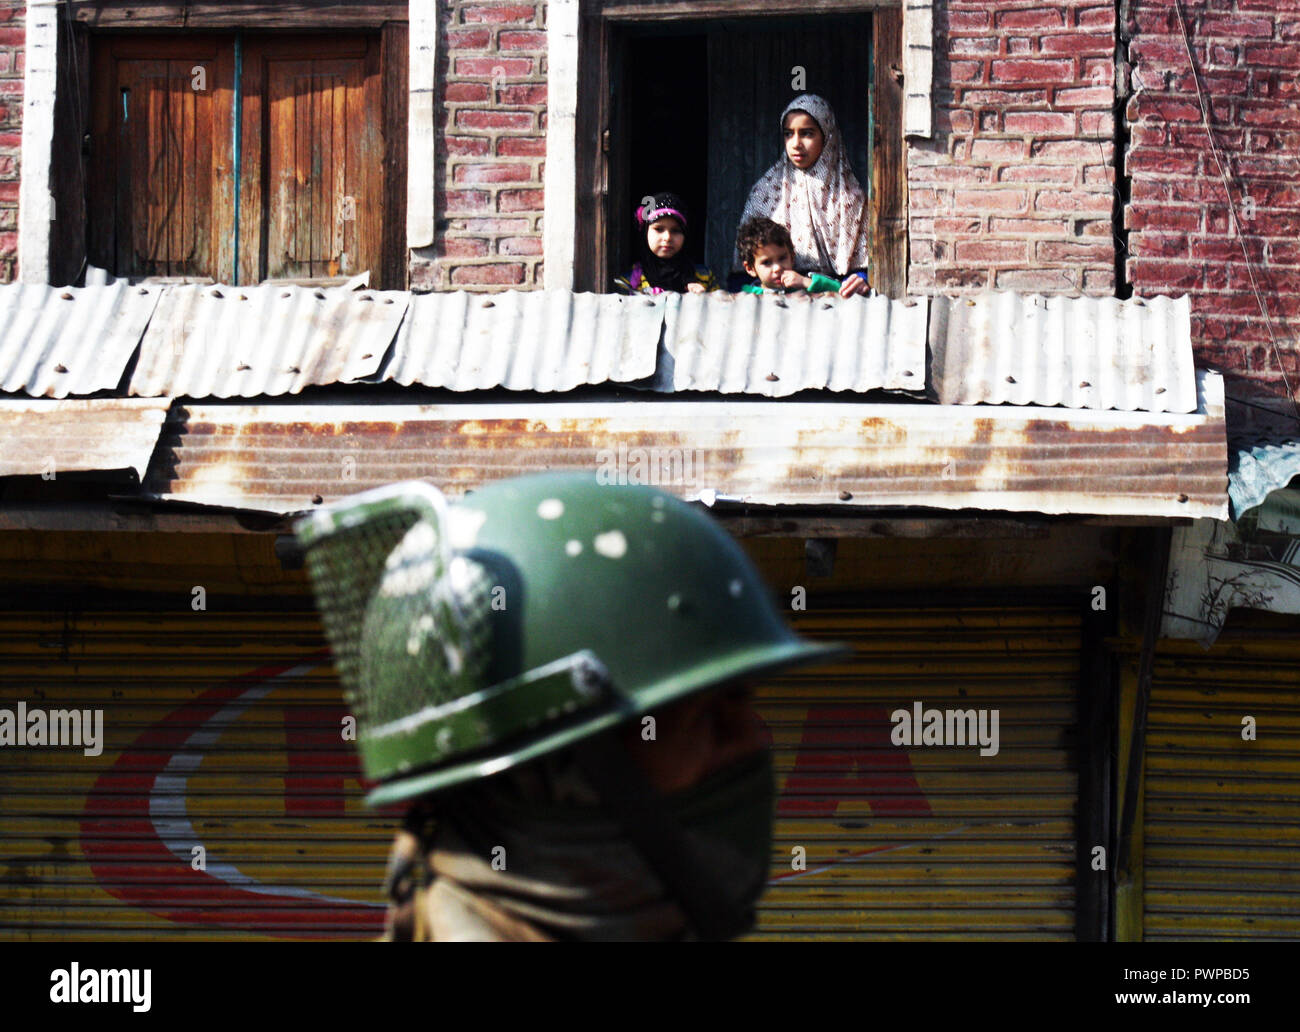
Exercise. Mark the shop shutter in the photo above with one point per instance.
(1222, 813)
(221, 731)
(928, 842)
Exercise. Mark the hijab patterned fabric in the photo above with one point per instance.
(825, 208)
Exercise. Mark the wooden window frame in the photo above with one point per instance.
(601, 26)
(67, 237)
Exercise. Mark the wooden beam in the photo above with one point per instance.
(685, 10)
(888, 158)
(395, 63)
(315, 14)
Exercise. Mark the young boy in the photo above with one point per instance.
(768, 254)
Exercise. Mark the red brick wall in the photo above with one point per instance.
(491, 141)
(11, 115)
(1016, 190)
(1247, 53)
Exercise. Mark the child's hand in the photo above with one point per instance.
(853, 285)
(695, 288)
(790, 278)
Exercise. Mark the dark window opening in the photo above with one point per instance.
(696, 110)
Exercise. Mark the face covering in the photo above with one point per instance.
(562, 864)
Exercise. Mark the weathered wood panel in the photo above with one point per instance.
(674, 10)
(316, 14)
(155, 193)
(889, 160)
(394, 60)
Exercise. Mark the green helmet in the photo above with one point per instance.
(535, 613)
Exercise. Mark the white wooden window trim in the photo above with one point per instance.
(420, 164)
(560, 185)
(918, 67)
(35, 202)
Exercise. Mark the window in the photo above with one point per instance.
(237, 159)
(708, 130)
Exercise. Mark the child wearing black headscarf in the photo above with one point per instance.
(662, 262)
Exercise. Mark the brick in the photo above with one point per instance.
(498, 15)
(499, 274)
(963, 225)
(1004, 98)
(520, 245)
(1039, 281)
(991, 200)
(968, 174)
(1046, 175)
(466, 92)
(948, 120)
(997, 251)
(494, 120)
(9, 245)
(1073, 151)
(1077, 43)
(1097, 17)
(469, 39)
(465, 201)
(968, 21)
(997, 150)
(1061, 251)
(1029, 227)
(523, 94)
(469, 145)
(1084, 96)
(1097, 123)
(520, 200)
(1040, 18)
(1028, 71)
(1159, 245)
(1076, 201)
(521, 146)
(1099, 281)
(1223, 249)
(465, 247)
(1164, 274)
(1036, 123)
(494, 67)
(1017, 45)
(489, 226)
(964, 71)
(1162, 161)
(975, 45)
(1274, 55)
(482, 174)
(510, 40)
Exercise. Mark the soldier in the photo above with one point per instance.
(554, 675)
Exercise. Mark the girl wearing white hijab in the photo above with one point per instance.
(813, 192)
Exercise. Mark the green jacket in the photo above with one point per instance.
(820, 284)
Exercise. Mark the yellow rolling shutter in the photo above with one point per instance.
(222, 732)
(928, 842)
(221, 741)
(1222, 813)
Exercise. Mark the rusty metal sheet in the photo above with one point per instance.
(776, 345)
(57, 341)
(281, 458)
(1082, 353)
(222, 342)
(552, 340)
(108, 434)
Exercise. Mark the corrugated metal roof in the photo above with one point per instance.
(56, 341)
(779, 344)
(1083, 353)
(1254, 472)
(71, 436)
(223, 342)
(552, 340)
(280, 458)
